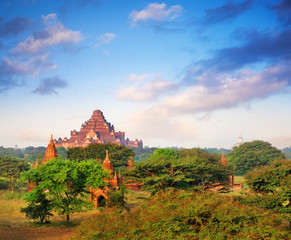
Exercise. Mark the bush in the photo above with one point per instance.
(4, 183)
(186, 215)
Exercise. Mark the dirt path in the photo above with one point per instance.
(35, 233)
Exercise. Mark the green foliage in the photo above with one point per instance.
(274, 182)
(287, 152)
(62, 152)
(183, 170)
(273, 178)
(11, 152)
(33, 150)
(186, 215)
(4, 183)
(11, 167)
(34, 153)
(116, 198)
(143, 153)
(64, 186)
(168, 152)
(253, 154)
(118, 154)
(216, 150)
(39, 207)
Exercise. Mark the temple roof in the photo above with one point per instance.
(107, 163)
(223, 160)
(51, 151)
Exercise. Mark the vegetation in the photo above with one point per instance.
(118, 154)
(143, 153)
(274, 185)
(287, 152)
(186, 215)
(11, 152)
(11, 167)
(253, 154)
(217, 150)
(62, 187)
(185, 169)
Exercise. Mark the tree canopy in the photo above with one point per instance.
(11, 168)
(62, 187)
(273, 183)
(118, 154)
(274, 178)
(187, 171)
(253, 154)
(11, 152)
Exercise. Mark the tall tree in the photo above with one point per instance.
(11, 168)
(253, 154)
(62, 186)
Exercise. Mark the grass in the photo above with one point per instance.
(14, 225)
(135, 198)
(239, 179)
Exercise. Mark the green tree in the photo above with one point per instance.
(62, 152)
(11, 152)
(165, 152)
(253, 154)
(273, 182)
(143, 153)
(118, 154)
(189, 172)
(11, 168)
(64, 185)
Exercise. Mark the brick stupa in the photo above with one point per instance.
(96, 130)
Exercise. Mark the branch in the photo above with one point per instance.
(148, 172)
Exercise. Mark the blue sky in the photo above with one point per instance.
(172, 73)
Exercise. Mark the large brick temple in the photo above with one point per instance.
(96, 130)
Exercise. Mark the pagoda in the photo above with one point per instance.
(97, 196)
(50, 152)
(96, 130)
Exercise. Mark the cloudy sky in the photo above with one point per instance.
(172, 73)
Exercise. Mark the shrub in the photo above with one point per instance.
(186, 215)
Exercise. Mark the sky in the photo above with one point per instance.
(172, 73)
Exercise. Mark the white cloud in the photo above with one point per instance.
(228, 93)
(31, 67)
(105, 38)
(142, 90)
(55, 33)
(157, 12)
(135, 78)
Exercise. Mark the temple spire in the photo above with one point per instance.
(107, 163)
(36, 163)
(223, 160)
(51, 151)
(107, 157)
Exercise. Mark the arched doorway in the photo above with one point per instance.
(101, 201)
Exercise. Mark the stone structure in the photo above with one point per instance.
(97, 196)
(96, 130)
(239, 141)
(130, 163)
(50, 153)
